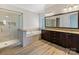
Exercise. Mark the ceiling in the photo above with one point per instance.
(37, 8)
(43, 8)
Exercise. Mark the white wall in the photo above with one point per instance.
(30, 19)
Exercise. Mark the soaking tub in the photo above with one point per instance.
(31, 36)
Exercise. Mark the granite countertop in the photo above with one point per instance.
(74, 31)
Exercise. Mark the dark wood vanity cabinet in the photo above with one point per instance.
(62, 39)
(53, 37)
(45, 35)
(66, 40)
(75, 42)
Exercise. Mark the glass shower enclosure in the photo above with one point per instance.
(10, 22)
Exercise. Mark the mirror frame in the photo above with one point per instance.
(62, 14)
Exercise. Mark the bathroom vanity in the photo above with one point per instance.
(62, 29)
(66, 38)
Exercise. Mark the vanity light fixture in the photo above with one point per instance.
(71, 8)
(65, 9)
(49, 14)
(75, 7)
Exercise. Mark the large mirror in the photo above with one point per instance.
(68, 20)
(52, 22)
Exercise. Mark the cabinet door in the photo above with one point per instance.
(42, 34)
(45, 35)
(53, 36)
(75, 42)
(58, 37)
(62, 40)
(73, 45)
(68, 40)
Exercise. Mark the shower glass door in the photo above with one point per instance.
(10, 22)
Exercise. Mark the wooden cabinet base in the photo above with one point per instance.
(66, 40)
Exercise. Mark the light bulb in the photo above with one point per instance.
(49, 14)
(75, 7)
(65, 9)
(70, 8)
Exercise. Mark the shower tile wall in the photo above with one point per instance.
(9, 25)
